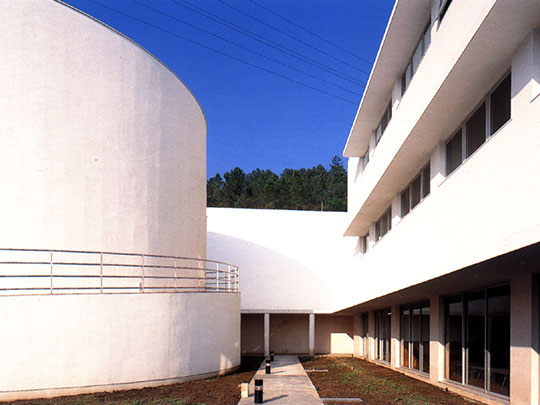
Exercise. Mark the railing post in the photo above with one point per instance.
(101, 272)
(217, 276)
(142, 273)
(51, 262)
(175, 279)
(229, 277)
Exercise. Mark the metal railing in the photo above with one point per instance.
(41, 271)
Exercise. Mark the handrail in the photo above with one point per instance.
(52, 271)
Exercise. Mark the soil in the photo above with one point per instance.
(349, 377)
(222, 390)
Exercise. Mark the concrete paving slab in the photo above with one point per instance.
(287, 384)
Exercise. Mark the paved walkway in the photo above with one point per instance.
(288, 384)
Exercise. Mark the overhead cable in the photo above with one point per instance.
(223, 53)
(246, 49)
(311, 32)
(292, 37)
(232, 26)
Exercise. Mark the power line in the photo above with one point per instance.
(310, 32)
(292, 37)
(222, 53)
(207, 14)
(247, 49)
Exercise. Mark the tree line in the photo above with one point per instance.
(315, 189)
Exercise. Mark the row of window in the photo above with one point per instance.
(418, 55)
(488, 118)
(416, 191)
(477, 338)
(383, 123)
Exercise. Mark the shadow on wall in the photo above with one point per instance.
(270, 280)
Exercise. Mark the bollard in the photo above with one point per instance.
(271, 356)
(244, 390)
(258, 391)
(268, 366)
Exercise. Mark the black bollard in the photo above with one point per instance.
(271, 356)
(268, 366)
(258, 391)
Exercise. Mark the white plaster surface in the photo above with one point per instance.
(288, 260)
(114, 341)
(103, 147)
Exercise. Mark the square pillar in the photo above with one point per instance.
(524, 340)
(357, 337)
(371, 339)
(267, 334)
(394, 337)
(436, 340)
(437, 164)
(311, 334)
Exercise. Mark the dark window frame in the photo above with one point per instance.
(461, 131)
(407, 193)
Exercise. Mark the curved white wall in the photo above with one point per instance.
(103, 148)
(114, 341)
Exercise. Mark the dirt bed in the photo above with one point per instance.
(222, 390)
(377, 385)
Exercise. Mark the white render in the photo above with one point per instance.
(103, 150)
(72, 344)
(103, 147)
(289, 260)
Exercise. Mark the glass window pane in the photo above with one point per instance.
(405, 201)
(454, 365)
(389, 219)
(453, 153)
(405, 335)
(378, 230)
(426, 178)
(475, 338)
(500, 104)
(476, 130)
(424, 343)
(384, 225)
(417, 56)
(499, 339)
(416, 337)
(415, 192)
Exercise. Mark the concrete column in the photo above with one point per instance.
(266, 334)
(436, 337)
(394, 337)
(357, 335)
(371, 339)
(437, 167)
(311, 334)
(396, 210)
(524, 340)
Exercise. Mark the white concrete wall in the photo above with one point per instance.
(116, 341)
(483, 209)
(103, 148)
(288, 260)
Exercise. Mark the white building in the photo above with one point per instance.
(103, 150)
(442, 277)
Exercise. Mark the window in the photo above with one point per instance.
(443, 8)
(384, 224)
(387, 116)
(500, 105)
(364, 243)
(477, 346)
(488, 118)
(416, 191)
(382, 334)
(418, 55)
(414, 331)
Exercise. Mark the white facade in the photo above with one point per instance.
(103, 150)
(445, 196)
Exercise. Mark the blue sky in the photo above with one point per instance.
(258, 119)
